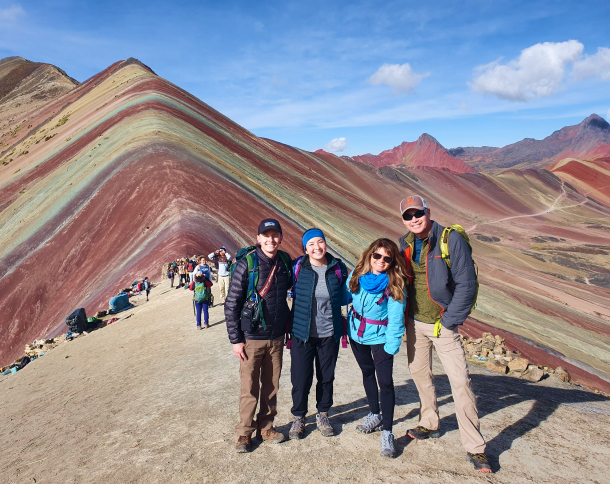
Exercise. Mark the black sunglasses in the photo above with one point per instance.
(386, 259)
(419, 214)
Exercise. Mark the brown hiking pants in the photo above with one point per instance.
(420, 338)
(260, 375)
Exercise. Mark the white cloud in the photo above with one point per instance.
(597, 65)
(400, 77)
(336, 146)
(538, 72)
(11, 13)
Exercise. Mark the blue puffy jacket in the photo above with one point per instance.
(365, 304)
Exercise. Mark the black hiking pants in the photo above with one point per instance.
(321, 353)
(373, 359)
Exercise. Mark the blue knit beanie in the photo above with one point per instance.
(311, 234)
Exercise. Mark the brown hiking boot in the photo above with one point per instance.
(324, 425)
(243, 444)
(271, 435)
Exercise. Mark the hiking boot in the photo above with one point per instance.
(422, 433)
(324, 425)
(198, 326)
(243, 444)
(479, 461)
(298, 428)
(206, 326)
(387, 444)
(271, 435)
(371, 423)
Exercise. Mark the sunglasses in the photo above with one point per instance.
(419, 214)
(386, 259)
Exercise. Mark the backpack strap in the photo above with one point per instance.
(444, 245)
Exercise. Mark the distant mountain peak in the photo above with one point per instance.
(596, 121)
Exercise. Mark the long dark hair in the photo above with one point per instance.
(397, 272)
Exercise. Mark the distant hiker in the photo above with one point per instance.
(256, 312)
(170, 275)
(146, 286)
(441, 296)
(140, 287)
(203, 266)
(317, 327)
(223, 258)
(183, 274)
(376, 323)
(201, 298)
(191, 270)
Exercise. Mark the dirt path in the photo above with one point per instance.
(150, 399)
(551, 208)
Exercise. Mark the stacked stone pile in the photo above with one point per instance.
(492, 351)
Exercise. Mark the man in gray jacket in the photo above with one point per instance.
(223, 258)
(441, 295)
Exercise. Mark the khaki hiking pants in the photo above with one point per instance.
(223, 282)
(260, 375)
(420, 338)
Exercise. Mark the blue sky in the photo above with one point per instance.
(355, 77)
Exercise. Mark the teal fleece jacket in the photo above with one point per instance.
(365, 304)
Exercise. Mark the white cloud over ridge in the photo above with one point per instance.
(337, 145)
(11, 13)
(400, 77)
(537, 72)
(597, 65)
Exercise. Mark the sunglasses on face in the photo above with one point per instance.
(386, 259)
(419, 214)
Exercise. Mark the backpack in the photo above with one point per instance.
(201, 293)
(444, 246)
(191, 267)
(249, 253)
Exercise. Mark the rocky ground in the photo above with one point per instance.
(150, 399)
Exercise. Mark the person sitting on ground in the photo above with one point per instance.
(201, 298)
(224, 275)
(317, 328)
(440, 301)
(376, 323)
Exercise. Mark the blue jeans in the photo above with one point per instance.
(199, 306)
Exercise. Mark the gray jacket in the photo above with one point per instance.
(454, 290)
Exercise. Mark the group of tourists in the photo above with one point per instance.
(426, 284)
(185, 270)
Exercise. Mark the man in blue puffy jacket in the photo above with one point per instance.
(440, 299)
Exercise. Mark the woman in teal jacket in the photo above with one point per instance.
(376, 323)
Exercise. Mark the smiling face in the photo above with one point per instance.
(419, 226)
(379, 265)
(269, 241)
(316, 250)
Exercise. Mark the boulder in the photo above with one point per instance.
(533, 374)
(500, 349)
(562, 374)
(473, 348)
(495, 365)
(518, 364)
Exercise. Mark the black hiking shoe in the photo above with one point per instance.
(422, 433)
(479, 461)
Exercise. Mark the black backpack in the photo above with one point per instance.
(77, 321)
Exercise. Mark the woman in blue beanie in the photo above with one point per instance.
(376, 322)
(317, 328)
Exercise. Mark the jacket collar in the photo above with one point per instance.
(432, 236)
(305, 262)
(263, 257)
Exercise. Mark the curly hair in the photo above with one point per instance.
(397, 272)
